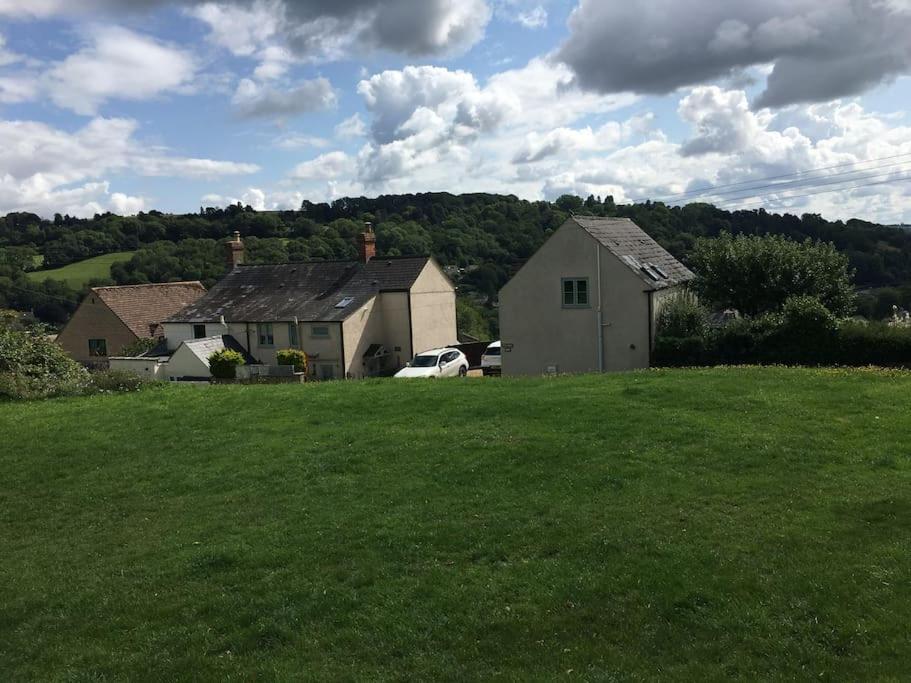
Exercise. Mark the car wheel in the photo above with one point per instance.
(462, 371)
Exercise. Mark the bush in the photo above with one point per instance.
(294, 357)
(33, 366)
(139, 346)
(223, 364)
(106, 381)
(756, 274)
(873, 344)
(682, 317)
(805, 317)
(679, 351)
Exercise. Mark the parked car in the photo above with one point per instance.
(436, 363)
(491, 360)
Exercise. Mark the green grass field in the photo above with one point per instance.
(76, 275)
(686, 524)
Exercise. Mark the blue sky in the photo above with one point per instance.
(131, 105)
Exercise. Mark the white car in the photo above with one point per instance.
(436, 363)
(491, 361)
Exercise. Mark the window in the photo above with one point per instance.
(424, 361)
(319, 331)
(326, 371)
(199, 331)
(293, 341)
(98, 347)
(264, 332)
(345, 302)
(575, 292)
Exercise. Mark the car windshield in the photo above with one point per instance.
(492, 351)
(424, 361)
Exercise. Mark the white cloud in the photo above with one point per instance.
(352, 127)
(533, 18)
(299, 141)
(125, 205)
(259, 199)
(258, 100)
(117, 64)
(324, 167)
(427, 117)
(47, 170)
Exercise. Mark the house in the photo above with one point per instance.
(110, 318)
(352, 318)
(587, 300)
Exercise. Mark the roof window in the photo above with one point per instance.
(345, 302)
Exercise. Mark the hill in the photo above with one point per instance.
(486, 236)
(748, 523)
(78, 274)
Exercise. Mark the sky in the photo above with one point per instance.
(133, 105)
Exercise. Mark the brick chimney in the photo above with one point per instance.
(234, 251)
(366, 243)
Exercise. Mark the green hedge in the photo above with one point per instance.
(771, 339)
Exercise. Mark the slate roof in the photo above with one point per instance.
(309, 291)
(206, 346)
(632, 245)
(143, 307)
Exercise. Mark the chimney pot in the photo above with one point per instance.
(234, 251)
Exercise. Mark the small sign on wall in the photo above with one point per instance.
(507, 347)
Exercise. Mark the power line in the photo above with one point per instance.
(705, 190)
(771, 189)
(811, 182)
(765, 200)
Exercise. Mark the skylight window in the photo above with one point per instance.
(345, 302)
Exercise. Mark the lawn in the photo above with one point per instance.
(685, 524)
(77, 274)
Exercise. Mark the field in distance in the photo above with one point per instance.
(77, 274)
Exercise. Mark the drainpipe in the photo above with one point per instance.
(600, 314)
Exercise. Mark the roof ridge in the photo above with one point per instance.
(149, 284)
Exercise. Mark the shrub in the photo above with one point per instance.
(223, 364)
(116, 381)
(294, 357)
(33, 366)
(679, 351)
(756, 274)
(805, 317)
(873, 344)
(682, 317)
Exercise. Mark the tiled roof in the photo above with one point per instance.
(639, 252)
(142, 307)
(205, 347)
(310, 291)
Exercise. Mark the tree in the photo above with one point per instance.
(757, 274)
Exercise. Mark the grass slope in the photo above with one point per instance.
(77, 274)
(746, 523)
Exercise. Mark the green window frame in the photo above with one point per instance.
(264, 334)
(319, 331)
(293, 339)
(199, 331)
(98, 348)
(575, 292)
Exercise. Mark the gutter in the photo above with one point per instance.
(651, 315)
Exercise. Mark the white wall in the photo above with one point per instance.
(433, 309)
(533, 321)
(147, 368)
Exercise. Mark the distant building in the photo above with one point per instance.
(352, 318)
(587, 300)
(110, 318)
